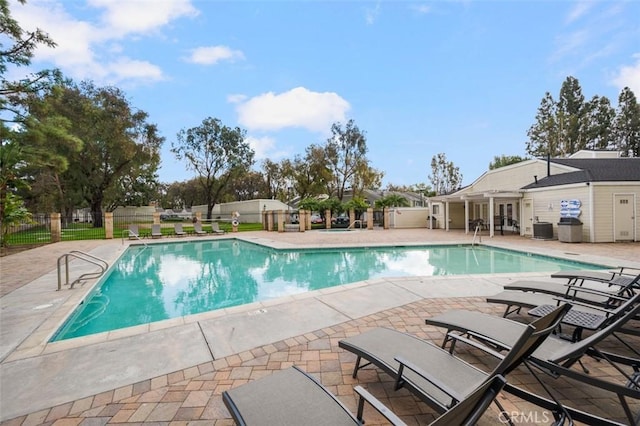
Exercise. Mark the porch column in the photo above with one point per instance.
(430, 224)
(446, 215)
(491, 217)
(369, 218)
(466, 216)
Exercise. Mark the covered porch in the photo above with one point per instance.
(494, 211)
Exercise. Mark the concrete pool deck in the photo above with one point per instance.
(132, 371)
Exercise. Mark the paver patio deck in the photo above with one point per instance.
(192, 395)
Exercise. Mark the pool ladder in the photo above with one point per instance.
(478, 234)
(103, 265)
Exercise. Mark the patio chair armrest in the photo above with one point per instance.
(455, 396)
(377, 405)
(605, 311)
(581, 289)
(479, 345)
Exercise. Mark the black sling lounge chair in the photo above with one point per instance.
(594, 291)
(432, 373)
(622, 277)
(597, 293)
(554, 356)
(582, 316)
(292, 397)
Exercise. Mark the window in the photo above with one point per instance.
(436, 209)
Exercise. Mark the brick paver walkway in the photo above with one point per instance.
(193, 396)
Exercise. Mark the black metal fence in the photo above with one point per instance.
(33, 232)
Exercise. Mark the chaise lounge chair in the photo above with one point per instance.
(156, 232)
(197, 228)
(591, 316)
(554, 356)
(595, 291)
(133, 232)
(292, 397)
(621, 277)
(178, 231)
(432, 373)
(216, 228)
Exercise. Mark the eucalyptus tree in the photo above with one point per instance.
(248, 186)
(365, 177)
(217, 153)
(346, 152)
(273, 177)
(445, 177)
(627, 124)
(310, 174)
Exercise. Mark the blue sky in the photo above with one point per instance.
(418, 77)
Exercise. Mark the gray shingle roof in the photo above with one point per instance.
(592, 170)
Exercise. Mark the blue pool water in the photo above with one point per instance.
(163, 281)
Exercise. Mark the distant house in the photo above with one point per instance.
(598, 188)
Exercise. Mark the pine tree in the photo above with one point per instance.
(627, 124)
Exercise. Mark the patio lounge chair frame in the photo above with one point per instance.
(197, 228)
(436, 377)
(156, 231)
(178, 231)
(577, 291)
(133, 233)
(554, 356)
(216, 228)
(292, 396)
(622, 277)
(606, 311)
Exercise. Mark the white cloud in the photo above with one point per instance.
(236, 98)
(213, 54)
(579, 10)
(90, 50)
(123, 17)
(264, 147)
(127, 69)
(371, 15)
(298, 107)
(629, 76)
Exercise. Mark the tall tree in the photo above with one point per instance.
(16, 50)
(118, 144)
(543, 135)
(18, 53)
(597, 123)
(346, 152)
(570, 110)
(273, 176)
(217, 153)
(445, 176)
(627, 124)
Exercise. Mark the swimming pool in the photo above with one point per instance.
(169, 280)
